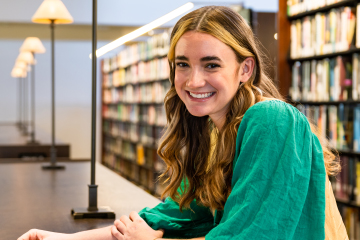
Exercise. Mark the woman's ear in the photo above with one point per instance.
(246, 69)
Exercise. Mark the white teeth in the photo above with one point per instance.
(204, 95)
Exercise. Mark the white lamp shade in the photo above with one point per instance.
(52, 10)
(21, 64)
(26, 57)
(32, 44)
(18, 72)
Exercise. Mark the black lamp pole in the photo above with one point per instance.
(19, 124)
(25, 105)
(52, 165)
(32, 134)
(93, 211)
(93, 186)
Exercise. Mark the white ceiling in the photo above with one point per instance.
(119, 12)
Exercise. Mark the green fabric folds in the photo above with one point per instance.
(188, 224)
(278, 184)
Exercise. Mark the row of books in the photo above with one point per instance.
(156, 46)
(131, 171)
(346, 185)
(351, 220)
(334, 79)
(323, 33)
(300, 6)
(121, 148)
(145, 93)
(132, 168)
(152, 115)
(144, 134)
(124, 131)
(137, 153)
(340, 124)
(121, 112)
(356, 77)
(140, 154)
(146, 114)
(156, 69)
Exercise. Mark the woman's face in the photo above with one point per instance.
(207, 75)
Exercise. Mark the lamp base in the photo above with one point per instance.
(53, 167)
(102, 212)
(25, 132)
(33, 143)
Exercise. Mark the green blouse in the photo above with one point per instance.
(278, 184)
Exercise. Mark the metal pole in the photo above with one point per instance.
(32, 140)
(19, 103)
(52, 165)
(92, 186)
(25, 98)
(22, 103)
(92, 211)
(93, 102)
(33, 101)
(53, 150)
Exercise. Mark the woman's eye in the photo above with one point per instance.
(181, 64)
(212, 65)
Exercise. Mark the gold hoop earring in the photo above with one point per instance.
(240, 85)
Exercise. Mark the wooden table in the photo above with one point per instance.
(34, 198)
(15, 145)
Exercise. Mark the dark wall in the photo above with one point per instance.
(264, 27)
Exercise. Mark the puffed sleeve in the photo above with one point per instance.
(278, 184)
(188, 224)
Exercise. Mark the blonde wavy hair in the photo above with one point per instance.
(187, 154)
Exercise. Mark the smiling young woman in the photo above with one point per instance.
(241, 162)
(233, 147)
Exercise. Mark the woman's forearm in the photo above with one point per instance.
(105, 234)
(96, 234)
(199, 238)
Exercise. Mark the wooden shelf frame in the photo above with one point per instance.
(349, 52)
(136, 83)
(344, 3)
(336, 103)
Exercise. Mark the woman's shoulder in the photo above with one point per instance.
(272, 110)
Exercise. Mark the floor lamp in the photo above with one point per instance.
(31, 46)
(93, 211)
(19, 74)
(28, 59)
(22, 65)
(53, 12)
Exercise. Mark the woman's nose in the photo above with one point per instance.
(196, 80)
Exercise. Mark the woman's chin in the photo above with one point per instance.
(197, 113)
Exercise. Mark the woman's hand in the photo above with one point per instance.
(35, 234)
(134, 228)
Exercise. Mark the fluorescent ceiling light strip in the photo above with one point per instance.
(144, 29)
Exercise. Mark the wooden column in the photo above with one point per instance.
(283, 67)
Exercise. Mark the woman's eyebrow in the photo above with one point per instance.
(210, 58)
(204, 59)
(181, 57)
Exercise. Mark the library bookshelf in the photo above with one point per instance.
(319, 73)
(134, 84)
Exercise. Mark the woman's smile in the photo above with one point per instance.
(200, 96)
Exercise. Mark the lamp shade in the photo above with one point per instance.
(32, 44)
(18, 72)
(52, 10)
(21, 64)
(26, 57)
